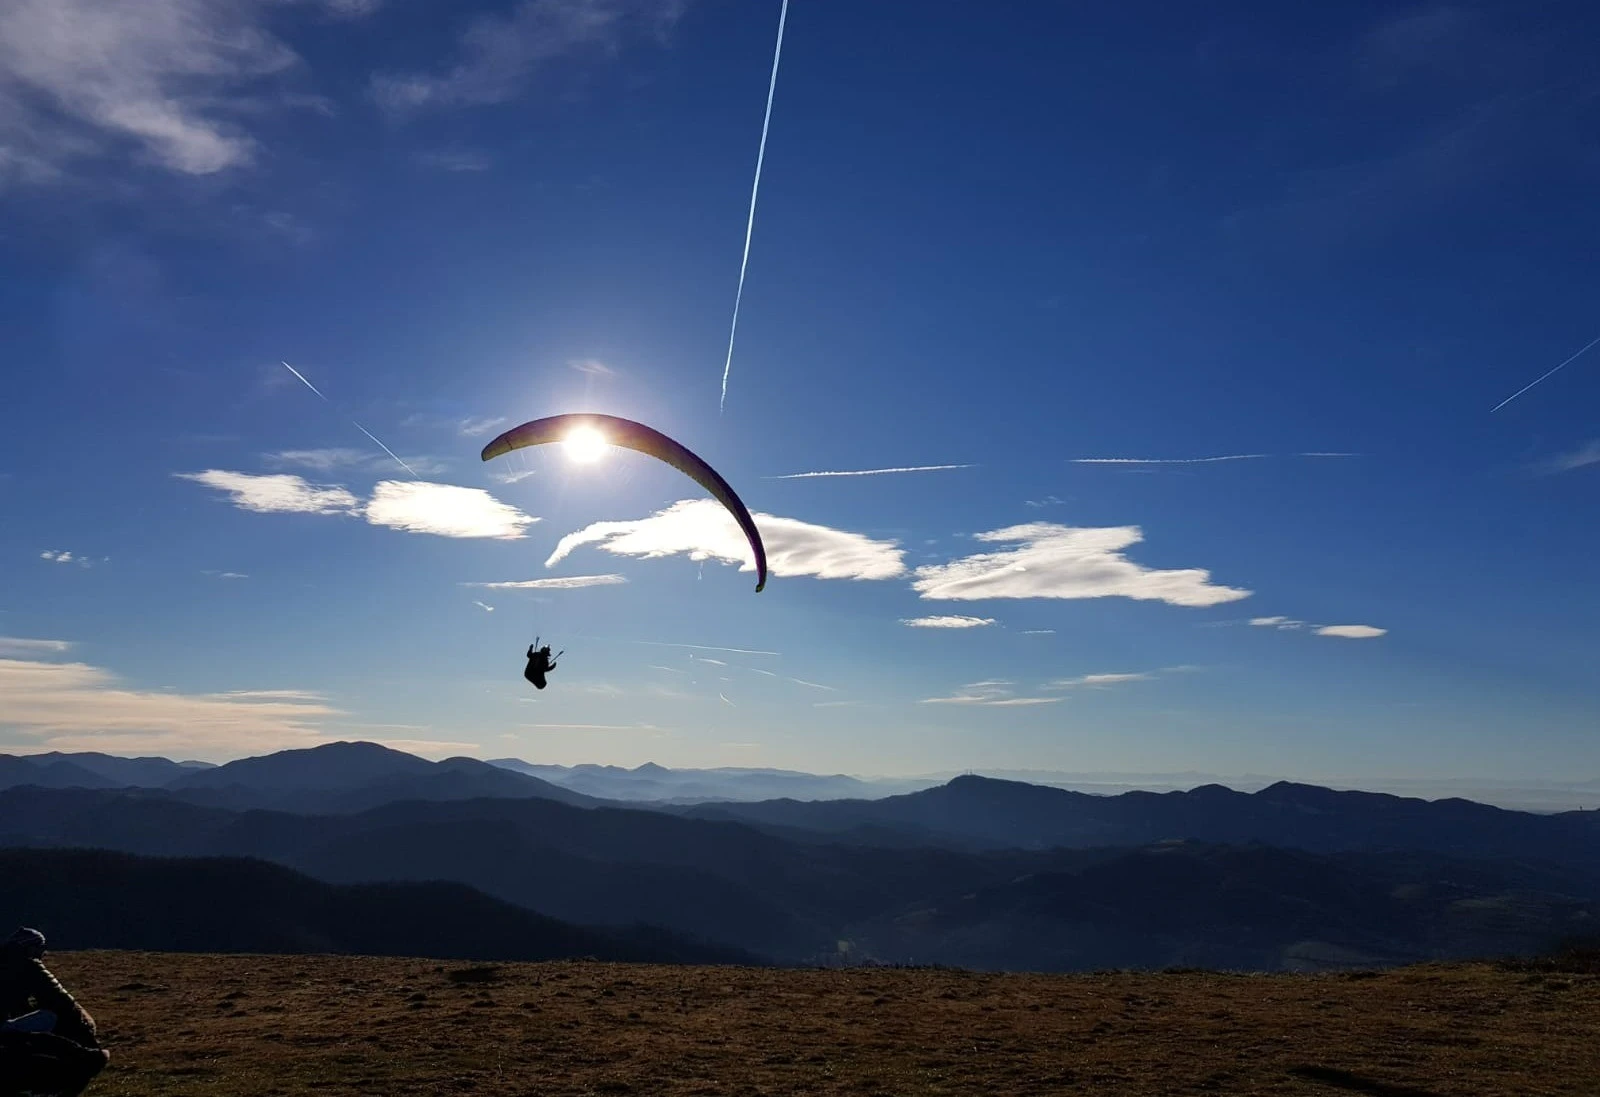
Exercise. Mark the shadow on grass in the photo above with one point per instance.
(1343, 1079)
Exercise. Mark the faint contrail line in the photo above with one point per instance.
(1167, 460)
(386, 449)
(867, 472)
(755, 187)
(304, 382)
(1530, 384)
(353, 423)
(698, 647)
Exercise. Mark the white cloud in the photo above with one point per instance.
(1055, 561)
(994, 691)
(1047, 501)
(499, 54)
(868, 472)
(1038, 632)
(565, 582)
(24, 646)
(444, 509)
(226, 574)
(510, 475)
(74, 706)
(1277, 622)
(703, 530)
(592, 366)
(1097, 680)
(1352, 632)
(57, 556)
(280, 493)
(708, 659)
(168, 78)
(1584, 455)
(486, 607)
(954, 621)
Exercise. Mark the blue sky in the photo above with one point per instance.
(1073, 252)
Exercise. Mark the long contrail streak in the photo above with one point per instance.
(1530, 384)
(353, 423)
(755, 188)
(866, 472)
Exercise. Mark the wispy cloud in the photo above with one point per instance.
(1038, 632)
(1047, 501)
(1098, 681)
(444, 509)
(1055, 561)
(565, 582)
(592, 366)
(499, 54)
(1352, 632)
(333, 458)
(281, 493)
(948, 621)
(483, 424)
(455, 160)
(169, 79)
(510, 475)
(702, 530)
(75, 706)
(1348, 632)
(485, 606)
(1585, 455)
(66, 556)
(867, 472)
(27, 646)
(701, 647)
(1277, 622)
(225, 574)
(994, 691)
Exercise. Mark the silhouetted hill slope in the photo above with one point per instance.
(795, 901)
(1251, 907)
(1010, 814)
(101, 899)
(150, 772)
(54, 773)
(351, 777)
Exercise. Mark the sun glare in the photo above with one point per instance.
(585, 445)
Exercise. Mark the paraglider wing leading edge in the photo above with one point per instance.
(642, 439)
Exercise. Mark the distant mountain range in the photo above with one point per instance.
(97, 899)
(651, 782)
(976, 871)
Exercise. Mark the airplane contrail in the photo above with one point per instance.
(304, 382)
(755, 188)
(866, 472)
(386, 449)
(353, 423)
(1530, 384)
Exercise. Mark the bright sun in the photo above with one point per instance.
(585, 445)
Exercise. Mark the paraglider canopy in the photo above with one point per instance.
(584, 435)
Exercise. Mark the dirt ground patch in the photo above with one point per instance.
(285, 1026)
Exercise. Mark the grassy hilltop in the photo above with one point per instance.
(286, 1026)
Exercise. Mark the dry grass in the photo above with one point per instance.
(236, 1025)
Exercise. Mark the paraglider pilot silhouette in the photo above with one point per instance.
(540, 663)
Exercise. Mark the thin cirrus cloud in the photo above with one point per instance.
(1056, 561)
(412, 506)
(499, 54)
(1583, 456)
(75, 706)
(67, 556)
(168, 79)
(947, 621)
(564, 582)
(996, 692)
(30, 647)
(702, 529)
(1196, 460)
(333, 458)
(1098, 681)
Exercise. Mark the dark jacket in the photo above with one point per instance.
(26, 985)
